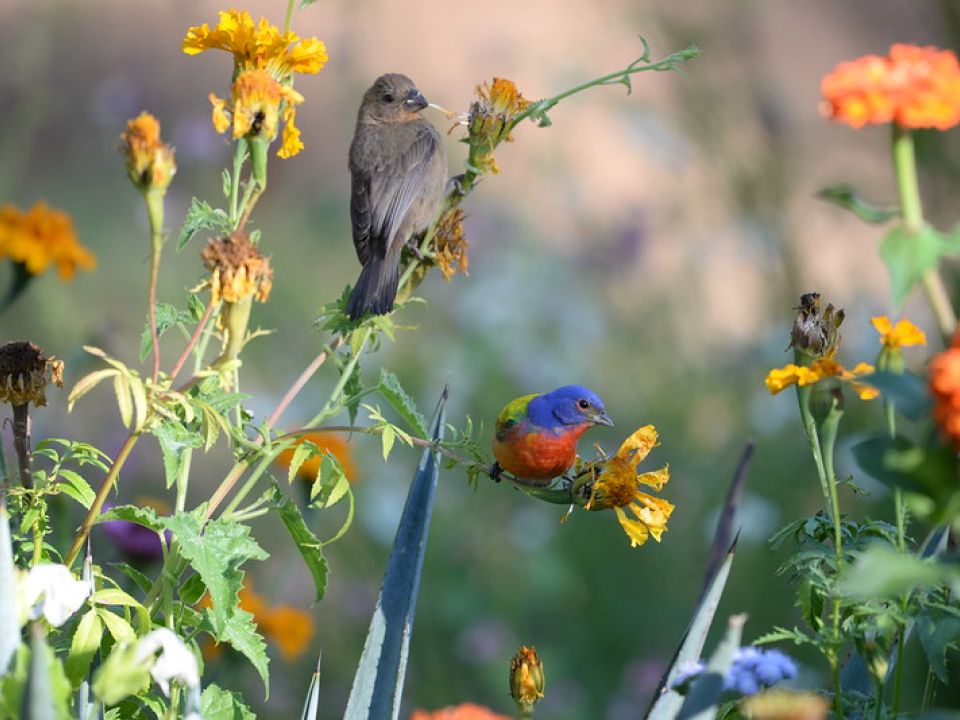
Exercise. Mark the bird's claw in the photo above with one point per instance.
(455, 185)
(495, 472)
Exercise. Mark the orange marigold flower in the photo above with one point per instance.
(945, 387)
(466, 711)
(326, 443)
(150, 161)
(903, 334)
(916, 87)
(41, 237)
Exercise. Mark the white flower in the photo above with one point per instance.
(175, 662)
(52, 591)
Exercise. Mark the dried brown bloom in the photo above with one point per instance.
(816, 331)
(451, 246)
(785, 705)
(491, 118)
(150, 161)
(25, 373)
(526, 677)
(237, 269)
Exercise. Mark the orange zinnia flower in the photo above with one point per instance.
(467, 711)
(332, 443)
(945, 388)
(916, 87)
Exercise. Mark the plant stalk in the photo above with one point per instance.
(21, 442)
(154, 200)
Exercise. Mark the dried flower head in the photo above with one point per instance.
(237, 269)
(259, 46)
(41, 237)
(916, 87)
(526, 678)
(451, 246)
(492, 115)
(785, 705)
(618, 487)
(25, 373)
(254, 110)
(816, 330)
(150, 161)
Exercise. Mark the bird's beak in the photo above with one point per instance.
(415, 101)
(603, 419)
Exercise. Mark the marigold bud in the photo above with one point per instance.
(526, 678)
(150, 161)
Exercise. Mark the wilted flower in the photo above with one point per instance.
(491, 118)
(785, 705)
(801, 375)
(150, 161)
(52, 592)
(237, 269)
(175, 663)
(816, 330)
(41, 237)
(25, 373)
(258, 47)
(618, 487)
(451, 246)
(916, 87)
(526, 678)
(754, 669)
(325, 442)
(466, 711)
(254, 110)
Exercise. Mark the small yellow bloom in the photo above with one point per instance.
(254, 110)
(490, 118)
(150, 161)
(526, 678)
(785, 705)
(903, 334)
(618, 486)
(237, 269)
(25, 373)
(258, 47)
(41, 237)
(780, 378)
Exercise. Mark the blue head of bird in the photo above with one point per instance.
(568, 405)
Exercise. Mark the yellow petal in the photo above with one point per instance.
(656, 478)
(636, 531)
(221, 117)
(291, 143)
(882, 325)
(636, 447)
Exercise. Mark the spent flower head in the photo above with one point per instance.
(490, 120)
(25, 373)
(816, 329)
(150, 161)
(451, 245)
(618, 484)
(40, 237)
(237, 268)
(913, 86)
(526, 678)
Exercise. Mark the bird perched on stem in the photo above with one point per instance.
(399, 170)
(536, 435)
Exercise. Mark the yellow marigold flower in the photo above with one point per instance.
(526, 678)
(150, 161)
(618, 486)
(451, 246)
(25, 373)
(259, 46)
(254, 110)
(41, 237)
(490, 119)
(237, 269)
(785, 705)
(780, 378)
(903, 334)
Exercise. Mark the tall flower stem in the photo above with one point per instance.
(900, 514)
(21, 442)
(154, 199)
(905, 169)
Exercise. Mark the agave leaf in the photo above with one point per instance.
(378, 683)
(312, 704)
(701, 703)
(9, 621)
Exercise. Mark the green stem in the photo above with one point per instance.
(828, 434)
(154, 200)
(239, 156)
(810, 429)
(905, 169)
(288, 20)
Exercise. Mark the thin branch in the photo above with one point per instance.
(192, 342)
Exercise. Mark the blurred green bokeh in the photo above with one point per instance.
(649, 246)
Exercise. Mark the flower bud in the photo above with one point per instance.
(150, 161)
(526, 678)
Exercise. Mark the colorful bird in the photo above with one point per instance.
(536, 435)
(398, 172)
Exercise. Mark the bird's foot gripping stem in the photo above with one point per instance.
(495, 472)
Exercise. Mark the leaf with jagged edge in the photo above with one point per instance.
(308, 545)
(219, 704)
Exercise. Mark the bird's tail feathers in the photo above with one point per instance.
(376, 288)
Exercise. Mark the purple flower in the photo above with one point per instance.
(753, 670)
(135, 542)
(687, 672)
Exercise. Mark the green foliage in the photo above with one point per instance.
(391, 391)
(120, 676)
(844, 195)
(219, 704)
(909, 255)
(169, 316)
(202, 216)
(309, 547)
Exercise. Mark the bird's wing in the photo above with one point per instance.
(512, 414)
(380, 199)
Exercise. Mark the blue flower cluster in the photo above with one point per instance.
(751, 671)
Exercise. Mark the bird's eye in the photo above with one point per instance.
(583, 404)
(388, 98)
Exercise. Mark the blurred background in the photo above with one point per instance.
(650, 246)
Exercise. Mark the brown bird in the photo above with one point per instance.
(398, 168)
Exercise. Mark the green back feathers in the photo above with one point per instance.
(513, 413)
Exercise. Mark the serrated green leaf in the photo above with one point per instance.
(87, 383)
(174, 440)
(846, 197)
(167, 316)
(72, 484)
(907, 258)
(387, 439)
(331, 483)
(301, 453)
(140, 515)
(393, 392)
(309, 547)
(120, 676)
(219, 704)
(192, 589)
(936, 637)
(85, 643)
(114, 596)
(117, 626)
(121, 389)
(201, 216)
(897, 462)
(881, 571)
(195, 307)
(241, 633)
(139, 579)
